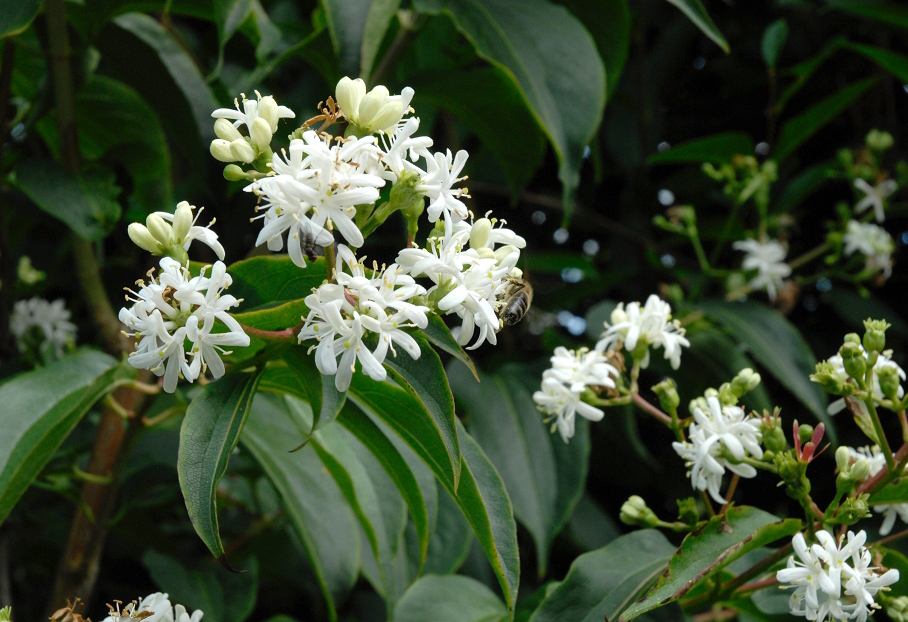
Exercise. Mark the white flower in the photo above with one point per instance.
(153, 608)
(164, 232)
(581, 368)
(873, 242)
(51, 318)
(768, 259)
(890, 511)
(826, 585)
(438, 186)
(874, 196)
(375, 111)
(175, 308)
(883, 360)
(260, 116)
(719, 439)
(562, 404)
(651, 325)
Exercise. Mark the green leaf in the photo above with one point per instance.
(773, 41)
(778, 346)
(544, 476)
(797, 130)
(695, 12)
(893, 493)
(279, 317)
(450, 598)
(17, 15)
(609, 21)
(721, 541)
(889, 12)
(270, 280)
(715, 149)
(854, 309)
(718, 359)
(357, 30)
(893, 62)
(225, 596)
(803, 71)
(487, 101)
(318, 390)
(802, 186)
(439, 334)
(209, 433)
(40, 409)
(600, 584)
(116, 123)
(552, 59)
(313, 502)
(897, 560)
(86, 201)
(229, 15)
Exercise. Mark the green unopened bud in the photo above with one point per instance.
(479, 233)
(6, 614)
(746, 380)
(727, 395)
(853, 360)
(805, 432)
(889, 382)
(875, 335)
(879, 141)
(829, 378)
(268, 111)
(221, 151)
(668, 395)
(854, 509)
(261, 133)
(897, 609)
(225, 130)
(852, 338)
(142, 238)
(232, 172)
(634, 511)
(860, 470)
(182, 221)
(843, 459)
(241, 150)
(774, 438)
(160, 229)
(790, 470)
(698, 402)
(687, 511)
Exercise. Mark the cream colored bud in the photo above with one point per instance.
(618, 316)
(485, 253)
(142, 238)
(268, 112)
(479, 233)
(182, 221)
(387, 116)
(504, 251)
(349, 94)
(220, 149)
(225, 130)
(516, 273)
(242, 151)
(160, 229)
(371, 104)
(261, 133)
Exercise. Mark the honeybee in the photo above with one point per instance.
(515, 301)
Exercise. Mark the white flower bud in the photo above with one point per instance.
(618, 316)
(479, 233)
(268, 111)
(504, 251)
(220, 149)
(860, 469)
(387, 116)
(225, 130)
(371, 104)
(842, 459)
(182, 221)
(139, 234)
(349, 94)
(485, 253)
(160, 229)
(242, 151)
(261, 133)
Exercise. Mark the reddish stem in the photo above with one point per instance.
(288, 334)
(645, 406)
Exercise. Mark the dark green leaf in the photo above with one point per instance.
(600, 584)
(889, 12)
(609, 21)
(718, 148)
(721, 541)
(797, 130)
(803, 71)
(695, 12)
(225, 596)
(854, 309)
(773, 41)
(313, 502)
(40, 409)
(86, 202)
(319, 390)
(210, 431)
(453, 538)
(357, 29)
(897, 560)
(553, 60)
(777, 346)
(488, 102)
(17, 15)
(273, 279)
(378, 20)
(892, 493)
(439, 334)
(229, 15)
(450, 598)
(279, 317)
(893, 62)
(802, 186)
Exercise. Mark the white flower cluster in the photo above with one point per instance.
(176, 307)
(873, 242)
(643, 326)
(883, 360)
(890, 511)
(260, 116)
(719, 439)
(163, 233)
(768, 259)
(563, 384)
(875, 196)
(833, 581)
(153, 608)
(51, 318)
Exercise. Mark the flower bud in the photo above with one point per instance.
(854, 509)
(853, 360)
(618, 315)
(225, 130)
(634, 511)
(852, 338)
(668, 395)
(220, 149)
(889, 382)
(746, 380)
(160, 229)
(349, 93)
(843, 459)
(387, 116)
(774, 438)
(232, 172)
(242, 151)
(829, 378)
(875, 335)
(268, 111)
(7, 612)
(860, 470)
(878, 140)
(479, 234)
(370, 105)
(503, 251)
(260, 133)
(182, 221)
(142, 238)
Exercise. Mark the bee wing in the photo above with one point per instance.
(320, 235)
